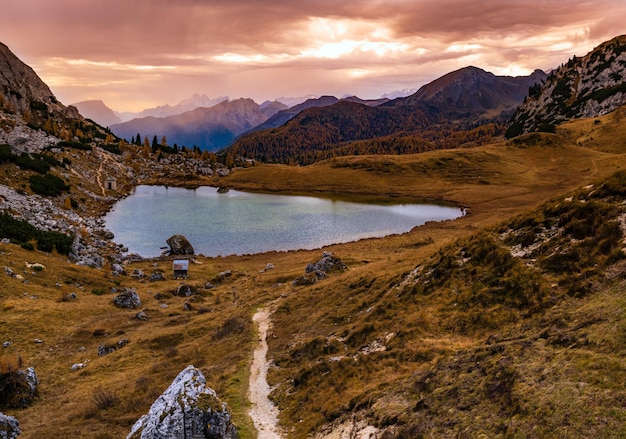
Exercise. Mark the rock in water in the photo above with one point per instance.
(9, 427)
(179, 245)
(187, 409)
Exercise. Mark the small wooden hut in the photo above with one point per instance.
(110, 183)
(181, 268)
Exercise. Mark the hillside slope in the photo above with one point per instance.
(583, 87)
(31, 118)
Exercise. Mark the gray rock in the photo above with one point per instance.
(9, 427)
(307, 279)
(105, 349)
(179, 245)
(328, 264)
(118, 268)
(141, 315)
(31, 378)
(127, 299)
(185, 291)
(187, 409)
(156, 275)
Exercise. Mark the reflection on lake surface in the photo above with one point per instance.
(247, 223)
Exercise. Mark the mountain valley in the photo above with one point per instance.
(507, 322)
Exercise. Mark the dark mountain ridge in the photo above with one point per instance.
(286, 115)
(461, 100)
(472, 91)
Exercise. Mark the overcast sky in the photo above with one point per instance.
(134, 54)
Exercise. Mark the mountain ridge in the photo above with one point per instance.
(462, 100)
(210, 128)
(97, 111)
(587, 86)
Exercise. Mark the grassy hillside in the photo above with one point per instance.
(455, 329)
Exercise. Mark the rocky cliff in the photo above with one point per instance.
(590, 86)
(187, 409)
(31, 118)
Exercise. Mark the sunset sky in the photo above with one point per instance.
(134, 54)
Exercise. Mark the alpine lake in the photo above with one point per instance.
(238, 223)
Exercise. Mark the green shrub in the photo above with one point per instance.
(47, 185)
(114, 149)
(22, 232)
(5, 153)
(74, 145)
(24, 161)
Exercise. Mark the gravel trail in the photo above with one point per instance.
(263, 412)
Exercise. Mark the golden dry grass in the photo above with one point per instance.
(494, 182)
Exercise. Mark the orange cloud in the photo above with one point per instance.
(150, 52)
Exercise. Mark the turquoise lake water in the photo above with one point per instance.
(247, 223)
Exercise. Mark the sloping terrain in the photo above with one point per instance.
(590, 86)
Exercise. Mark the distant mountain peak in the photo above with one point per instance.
(210, 128)
(97, 111)
(474, 91)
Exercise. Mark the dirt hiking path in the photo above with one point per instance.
(263, 412)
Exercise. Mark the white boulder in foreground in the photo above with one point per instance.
(188, 409)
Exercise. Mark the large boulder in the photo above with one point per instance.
(179, 245)
(329, 263)
(187, 409)
(127, 299)
(9, 427)
(18, 388)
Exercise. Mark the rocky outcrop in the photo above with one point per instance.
(590, 86)
(28, 109)
(127, 299)
(179, 245)
(18, 388)
(105, 349)
(9, 427)
(329, 263)
(187, 409)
